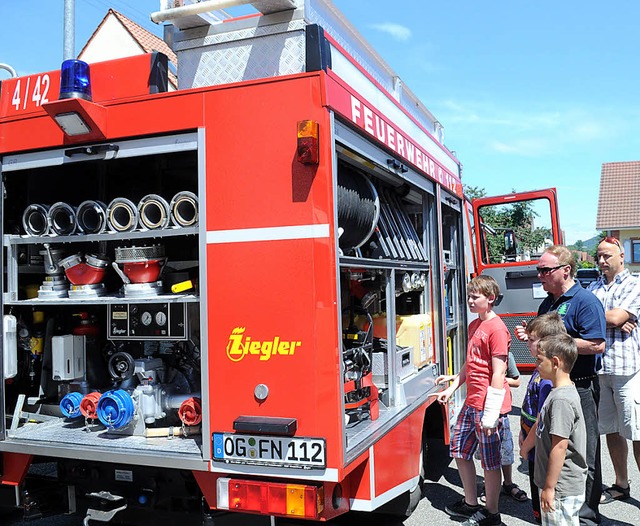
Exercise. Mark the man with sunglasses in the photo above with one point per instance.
(619, 293)
(584, 319)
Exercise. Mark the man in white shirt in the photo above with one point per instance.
(619, 293)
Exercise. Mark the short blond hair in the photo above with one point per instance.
(546, 325)
(485, 285)
(565, 257)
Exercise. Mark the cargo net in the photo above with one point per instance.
(518, 348)
(373, 222)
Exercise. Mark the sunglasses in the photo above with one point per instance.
(543, 271)
(612, 241)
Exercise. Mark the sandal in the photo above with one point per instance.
(514, 492)
(608, 496)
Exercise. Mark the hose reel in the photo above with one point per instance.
(358, 208)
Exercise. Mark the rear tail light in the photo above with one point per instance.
(270, 498)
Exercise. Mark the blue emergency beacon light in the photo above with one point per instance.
(75, 81)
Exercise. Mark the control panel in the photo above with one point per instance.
(148, 321)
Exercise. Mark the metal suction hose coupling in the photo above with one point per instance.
(51, 259)
(92, 217)
(35, 220)
(122, 215)
(62, 219)
(184, 209)
(154, 212)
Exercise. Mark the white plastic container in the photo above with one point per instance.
(9, 346)
(68, 357)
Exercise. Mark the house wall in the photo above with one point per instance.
(110, 42)
(630, 239)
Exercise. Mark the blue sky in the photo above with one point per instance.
(531, 94)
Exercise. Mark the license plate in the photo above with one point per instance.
(290, 452)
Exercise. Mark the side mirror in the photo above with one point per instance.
(509, 245)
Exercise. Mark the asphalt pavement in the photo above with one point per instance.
(437, 495)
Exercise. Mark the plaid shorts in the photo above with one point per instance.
(566, 511)
(506, 444)
(468, 434)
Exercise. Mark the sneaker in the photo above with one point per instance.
(461, 510)
(482, 517)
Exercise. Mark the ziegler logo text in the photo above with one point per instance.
(240, 345)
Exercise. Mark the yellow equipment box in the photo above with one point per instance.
(415, 331)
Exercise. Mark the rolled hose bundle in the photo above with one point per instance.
(62, 219)
(35, 220)
(122, 215)
(92, 217)
(153, 211)
(184, 209)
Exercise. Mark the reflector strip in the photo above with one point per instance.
(223, 493)
(277, 233)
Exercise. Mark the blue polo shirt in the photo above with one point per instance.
(584, 318)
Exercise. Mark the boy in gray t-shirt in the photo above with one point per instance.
(561, 438)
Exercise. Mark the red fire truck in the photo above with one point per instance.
(237, 295)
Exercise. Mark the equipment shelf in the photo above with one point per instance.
(106, 236)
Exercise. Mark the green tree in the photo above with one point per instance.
(601, 235)
(585, 264)
(473, 192)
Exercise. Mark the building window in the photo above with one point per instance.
(635, 250)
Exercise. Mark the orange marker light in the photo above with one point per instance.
(308, 144)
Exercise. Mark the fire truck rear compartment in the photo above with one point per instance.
(108, 355)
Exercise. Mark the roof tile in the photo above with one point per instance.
(618, 203)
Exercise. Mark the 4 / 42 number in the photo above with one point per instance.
(38, 95)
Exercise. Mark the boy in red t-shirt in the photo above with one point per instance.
(488, 397)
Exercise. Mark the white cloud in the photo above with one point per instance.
(531, 147)
(397, 31)
(530, 132)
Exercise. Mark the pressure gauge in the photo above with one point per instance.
(161, 319)
(146, 318)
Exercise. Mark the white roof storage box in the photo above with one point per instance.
(239, 49)
(286, 38)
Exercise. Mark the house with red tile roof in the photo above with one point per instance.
(619, 207)
(117, 37)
